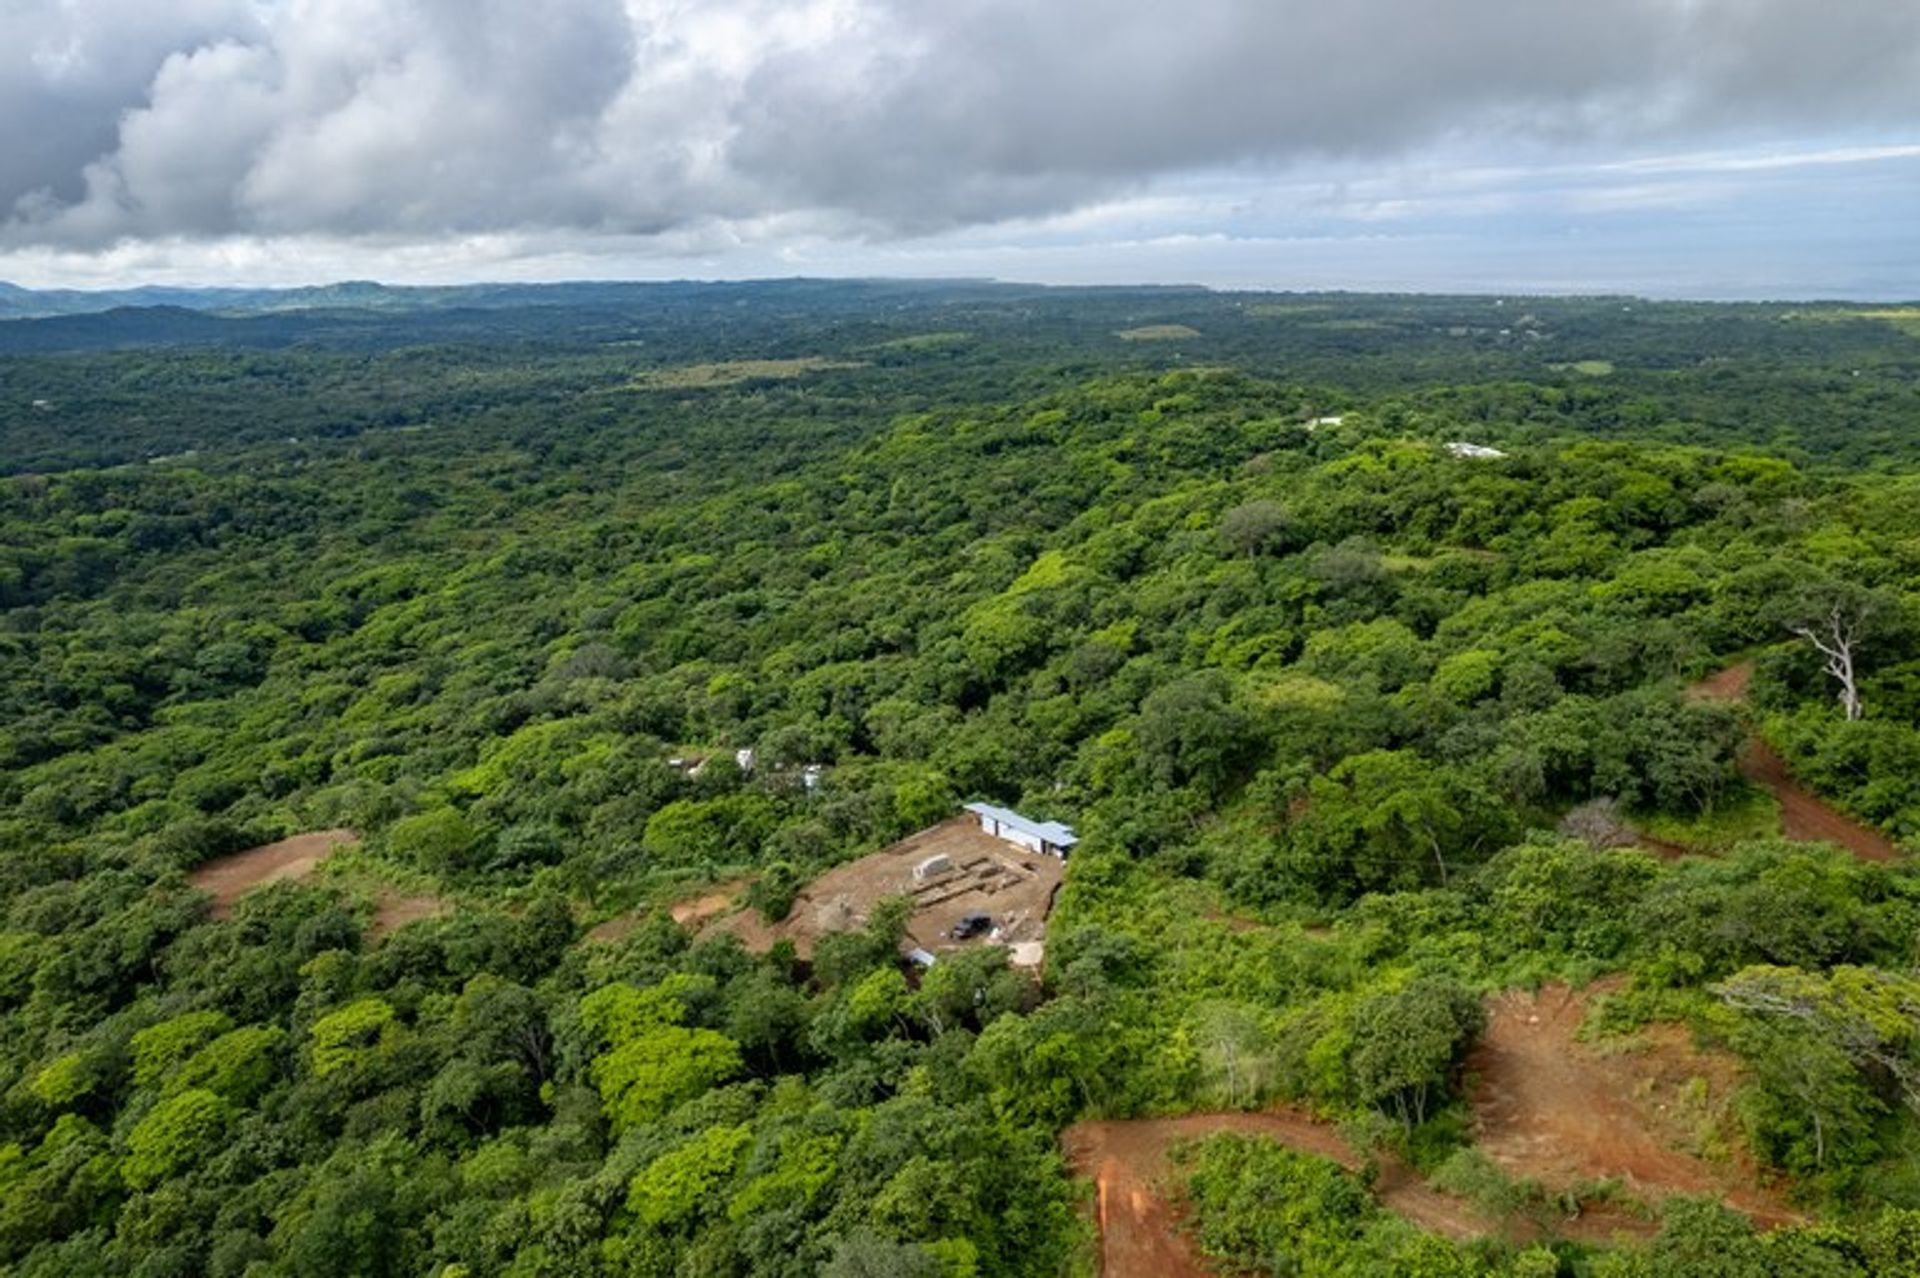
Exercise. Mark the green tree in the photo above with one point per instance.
(176, 1133)
(1408, 1042)
(1258, 527)
(1192, 732)
(688, 1178)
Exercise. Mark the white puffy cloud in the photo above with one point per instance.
(67, 71)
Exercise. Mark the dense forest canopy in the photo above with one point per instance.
(1358, 727)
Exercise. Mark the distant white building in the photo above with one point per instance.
(1474, 452)
(1047, 837)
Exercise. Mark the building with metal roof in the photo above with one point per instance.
(1047, 837)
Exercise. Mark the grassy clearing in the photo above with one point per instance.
(1586, 367)
(734, 372)
(1747, 813)
(1904, 318)
(1158, 333)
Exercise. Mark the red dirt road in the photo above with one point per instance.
(1803, 817)
(1140, 1235)
(228, 878)
(1730, 684)
(1559, 1111)
(1546, 1107)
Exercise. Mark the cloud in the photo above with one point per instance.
(401, 121)
(67, 71)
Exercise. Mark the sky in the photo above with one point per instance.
(1704, 148)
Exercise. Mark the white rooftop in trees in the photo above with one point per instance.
(1049, 837)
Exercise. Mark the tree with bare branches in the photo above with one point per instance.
(1836, 618)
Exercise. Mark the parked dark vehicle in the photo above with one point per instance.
(970, 926)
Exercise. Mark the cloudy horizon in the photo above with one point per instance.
(1709, 148)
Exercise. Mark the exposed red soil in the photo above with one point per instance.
(692, 914)
(1803, 817)
(1730, 684)
(1140, 1233)
(617, 928)
(228, 878)
(394, 910)
(1558, 1111)
(1015, 887)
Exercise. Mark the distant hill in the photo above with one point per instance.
(25, 303)
(363, 314)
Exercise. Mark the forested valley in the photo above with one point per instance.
(1407, 667)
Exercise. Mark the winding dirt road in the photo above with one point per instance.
(1804, 817)
(1140, 1235)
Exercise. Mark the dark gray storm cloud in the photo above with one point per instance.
(201, 119)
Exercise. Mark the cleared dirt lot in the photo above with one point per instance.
(228, 878)
(1559, 1111)
(1133, 1202)
(1015, 887)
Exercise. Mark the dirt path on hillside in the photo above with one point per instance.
(1140, 1233)
(394, 910)
(1546, 1107)
(1553, 1109)
(228, 878)
(692, 914)
(1804, 817)
(1730, 684)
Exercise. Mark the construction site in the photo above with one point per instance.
(968, 888)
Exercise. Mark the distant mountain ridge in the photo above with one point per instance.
(17, 302)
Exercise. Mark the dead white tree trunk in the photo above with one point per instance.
(1835, 636)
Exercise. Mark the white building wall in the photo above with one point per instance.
(1007, 834)
(1031, 842)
